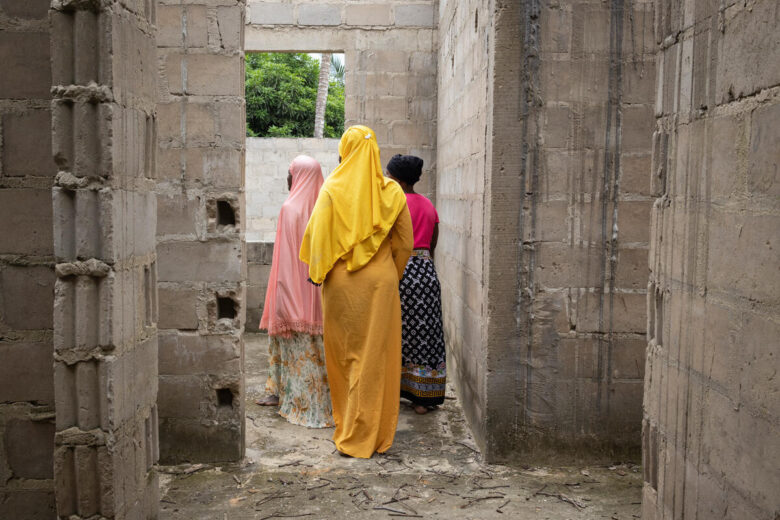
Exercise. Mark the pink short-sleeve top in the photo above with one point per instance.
(424, 218)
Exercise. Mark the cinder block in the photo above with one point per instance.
(628, 315)
(414, 15)
(231, 22)
(201, 124)
(27, 70)
(197, 26)
(29, 213)
(169, 30)
(212, 261)
(27, 144)
(30, 10)
(30, 447)
(213, 74)
(405, 133)
(27, 503)
(27, 371)
(628, 358)
(178, 308)
(28, 297)
(763, 165)
(368, 14)
(183, 354)
(555, 29)
(179, 215)
(319, 14)
(183, 396)
(271, 13)
(748, 57)
(187, 440)
(561, 265)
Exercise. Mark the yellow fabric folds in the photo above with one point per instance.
(355, 210)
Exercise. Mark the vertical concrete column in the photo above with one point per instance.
(200, 231)
(26, 263)
(105, 305)
(711, 437)
(545, 218)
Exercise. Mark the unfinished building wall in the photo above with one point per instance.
(547, 232)
(201, 219)
(711, 437)
(27, 173)
(105, 307)
(390, 58)
(267, 162)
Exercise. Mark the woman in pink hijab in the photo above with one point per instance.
(297, 379)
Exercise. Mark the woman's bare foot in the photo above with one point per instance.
(269, 400)
(421, 410)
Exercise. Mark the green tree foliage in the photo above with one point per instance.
(281, 93)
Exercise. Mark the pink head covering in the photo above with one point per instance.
(292, 304)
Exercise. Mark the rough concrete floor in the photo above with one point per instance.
(432, 471)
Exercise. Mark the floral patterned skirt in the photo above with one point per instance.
(296, 373)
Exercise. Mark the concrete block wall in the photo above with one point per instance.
(267, 162)
(105, 295)
(259, 257)
(465, 91)
(201, 219)
(711, 437)
(27, 172)
(390, 58)
(547, 232)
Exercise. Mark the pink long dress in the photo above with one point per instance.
(292, 313)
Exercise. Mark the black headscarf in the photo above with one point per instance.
(407, 168)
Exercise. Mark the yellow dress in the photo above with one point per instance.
(362, 323)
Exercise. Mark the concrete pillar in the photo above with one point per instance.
(545, 202)
(105, 304)
(26, 263)
(200, 229)
(711, 437)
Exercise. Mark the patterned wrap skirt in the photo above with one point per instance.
(424, 367)
(296, 373)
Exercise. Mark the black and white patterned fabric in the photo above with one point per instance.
(424, 369)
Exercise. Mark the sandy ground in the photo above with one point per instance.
(433, 470)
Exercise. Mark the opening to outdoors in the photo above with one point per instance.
(282, 122)
(285, 89)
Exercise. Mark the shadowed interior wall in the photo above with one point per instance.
(200, 229)
(105, 309)
(711, 437)
(27, 173)
(545, 199)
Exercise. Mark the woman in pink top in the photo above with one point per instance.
(297, 379)
(424, 367)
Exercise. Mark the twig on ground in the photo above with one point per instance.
(502, 506)
(293, 463)
(474, 500)
(280, 515)
(472, 448)
(563, 498)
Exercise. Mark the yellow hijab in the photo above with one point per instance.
(355, 209)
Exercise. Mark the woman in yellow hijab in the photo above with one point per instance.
(356, 244)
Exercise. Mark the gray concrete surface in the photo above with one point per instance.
(432, 471)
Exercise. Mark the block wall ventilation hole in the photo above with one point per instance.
(226, 308)
(224, 397)
(225, 214)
